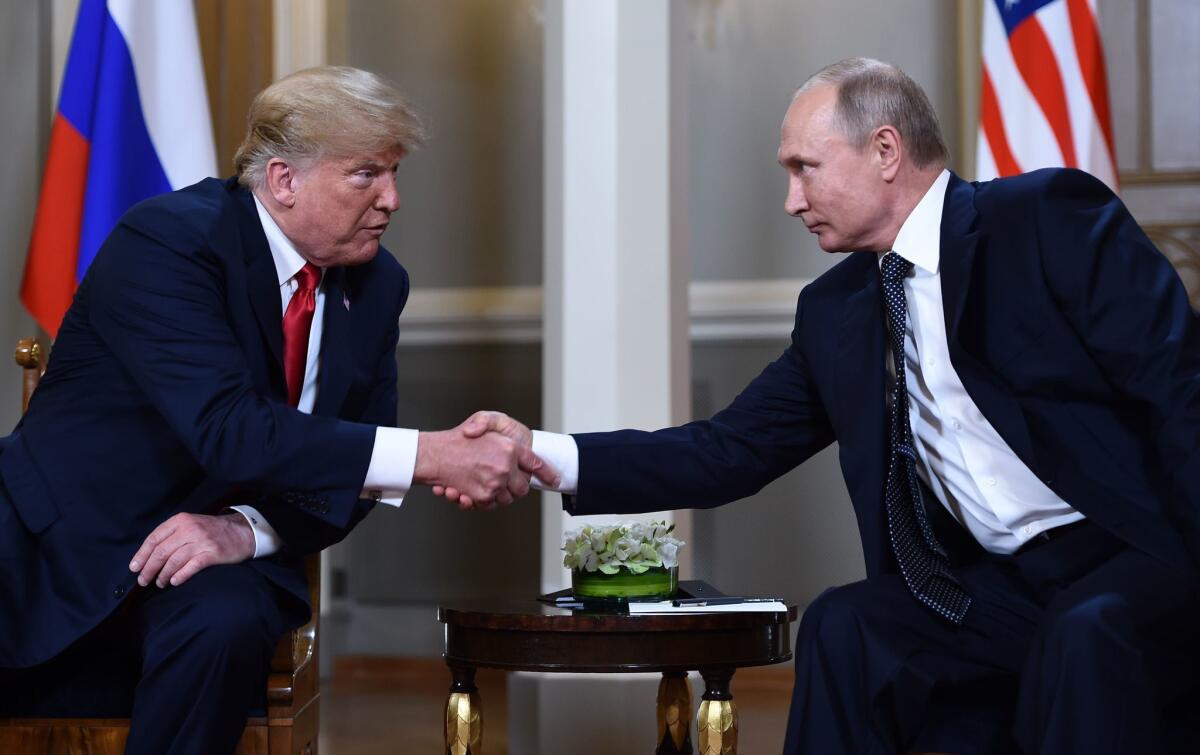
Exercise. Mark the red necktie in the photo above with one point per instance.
(296, 322)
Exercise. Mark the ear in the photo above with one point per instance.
(887, 149)
(281, 181)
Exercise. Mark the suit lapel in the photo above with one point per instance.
(860, 382)
(960, 245)
(262, 280)
(335, 361)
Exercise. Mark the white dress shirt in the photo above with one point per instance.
(394, 455)
(961, 457)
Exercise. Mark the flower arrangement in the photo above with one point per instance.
(635, 546)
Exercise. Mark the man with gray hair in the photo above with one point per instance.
(1011, 372)
(220, 402)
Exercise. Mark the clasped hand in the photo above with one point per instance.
(483, 462)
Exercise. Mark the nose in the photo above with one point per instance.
(389, 198)
(796, 201)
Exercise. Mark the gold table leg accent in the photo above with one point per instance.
(716, 722)
(674, 714)
(464, 715)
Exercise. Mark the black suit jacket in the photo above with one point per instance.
(1070, 331)
(165, 393)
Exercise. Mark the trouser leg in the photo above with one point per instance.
(206, 652)
(872, 667)
(1112, 651)
(93, 678)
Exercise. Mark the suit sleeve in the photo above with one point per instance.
(303, 533)
(776, 422)
(160, 307)
(1129, 306)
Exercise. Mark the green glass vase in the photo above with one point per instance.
(656, 583)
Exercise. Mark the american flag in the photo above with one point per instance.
(1044, 93)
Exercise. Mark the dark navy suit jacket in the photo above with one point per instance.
(165, 394)
(1070, 331)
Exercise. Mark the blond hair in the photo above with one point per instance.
(329, 110)
(870, 94)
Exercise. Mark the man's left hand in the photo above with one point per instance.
(186, 543)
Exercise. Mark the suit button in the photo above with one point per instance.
(119, 592)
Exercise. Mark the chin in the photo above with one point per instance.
(366, 254)
(832, 246)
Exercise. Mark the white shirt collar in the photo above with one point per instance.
(920, 238)
(287, 260)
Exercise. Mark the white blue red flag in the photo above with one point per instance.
(1044, 92)
(132, 121)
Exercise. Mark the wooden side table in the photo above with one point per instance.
(533, 636)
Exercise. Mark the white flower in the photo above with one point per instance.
(599, 542)
(591, 561)
(668, 551)
(641, 531)
(624, 548)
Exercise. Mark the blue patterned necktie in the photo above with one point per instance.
(922, 561)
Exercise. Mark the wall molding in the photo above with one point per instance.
(741, 310)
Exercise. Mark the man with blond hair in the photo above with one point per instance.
(220, 402)
(1011, 372)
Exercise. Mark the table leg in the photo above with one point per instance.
(464, 715)
(674, 714)
(716, 723)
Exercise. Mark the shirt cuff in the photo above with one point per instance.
(393, 459)
(560, 452)
(266, 539)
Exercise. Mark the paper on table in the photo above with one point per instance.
(664, 606)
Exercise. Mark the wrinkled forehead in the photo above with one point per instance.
(341, 161)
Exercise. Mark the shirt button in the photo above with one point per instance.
(931, 361)
(957, 425)
(990, 481)
(1027, 529)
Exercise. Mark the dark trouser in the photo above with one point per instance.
(189, 663)
(1078, 644)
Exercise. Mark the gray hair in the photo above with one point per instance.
(318, 112)
(870, 94)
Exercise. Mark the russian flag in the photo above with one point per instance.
(132, 121)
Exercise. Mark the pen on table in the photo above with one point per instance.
(706, 601)
(679, 602)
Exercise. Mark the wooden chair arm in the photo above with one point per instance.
(294, 673)
(31, 358)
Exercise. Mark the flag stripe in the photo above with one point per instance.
(1035, 60)
(1090, 147)
(124, 168)
(1029, 134)
(49, 280)
(993, 127)
(174, 98)
(1091, 65)
(80, 83)
(985, 163)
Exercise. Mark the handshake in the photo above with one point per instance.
(487, 460)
